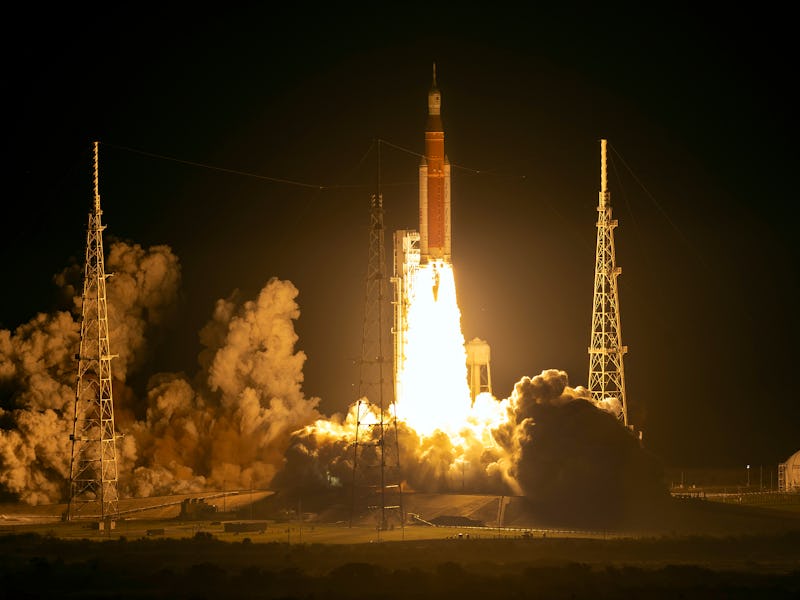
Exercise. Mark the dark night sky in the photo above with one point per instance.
(695, 106)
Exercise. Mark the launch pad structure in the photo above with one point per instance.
(406, 261)
(93, 464)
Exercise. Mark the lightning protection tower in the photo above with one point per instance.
(93, 466)
(376, 450)
(606, 371)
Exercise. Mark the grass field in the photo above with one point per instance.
(329, 563)
(703, 549)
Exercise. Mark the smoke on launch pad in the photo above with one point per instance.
(242, 419)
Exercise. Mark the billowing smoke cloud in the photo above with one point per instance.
(233, 427)
(242, 419)
(572, 459)
(142, 296)
(229, 425)
(37, 373)
(142, 290)
(321, 455)
(38, 368)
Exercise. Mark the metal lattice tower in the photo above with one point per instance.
(93, 466)
(606, 371)
(376, 450)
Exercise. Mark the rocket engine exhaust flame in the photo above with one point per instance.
(433, 390)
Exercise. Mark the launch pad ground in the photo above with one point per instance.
(275, 518)
(704, 549)
(430, 517)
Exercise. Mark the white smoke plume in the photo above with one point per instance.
(232, 429)
(551, 444)
(142, 295)
(37, 376)
(142, 291)
(38, 368)
(242, 419)
(229, 425)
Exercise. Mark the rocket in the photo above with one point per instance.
(434, 186)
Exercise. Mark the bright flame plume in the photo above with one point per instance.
(432, 384)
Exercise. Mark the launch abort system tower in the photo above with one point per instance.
(93, 466)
